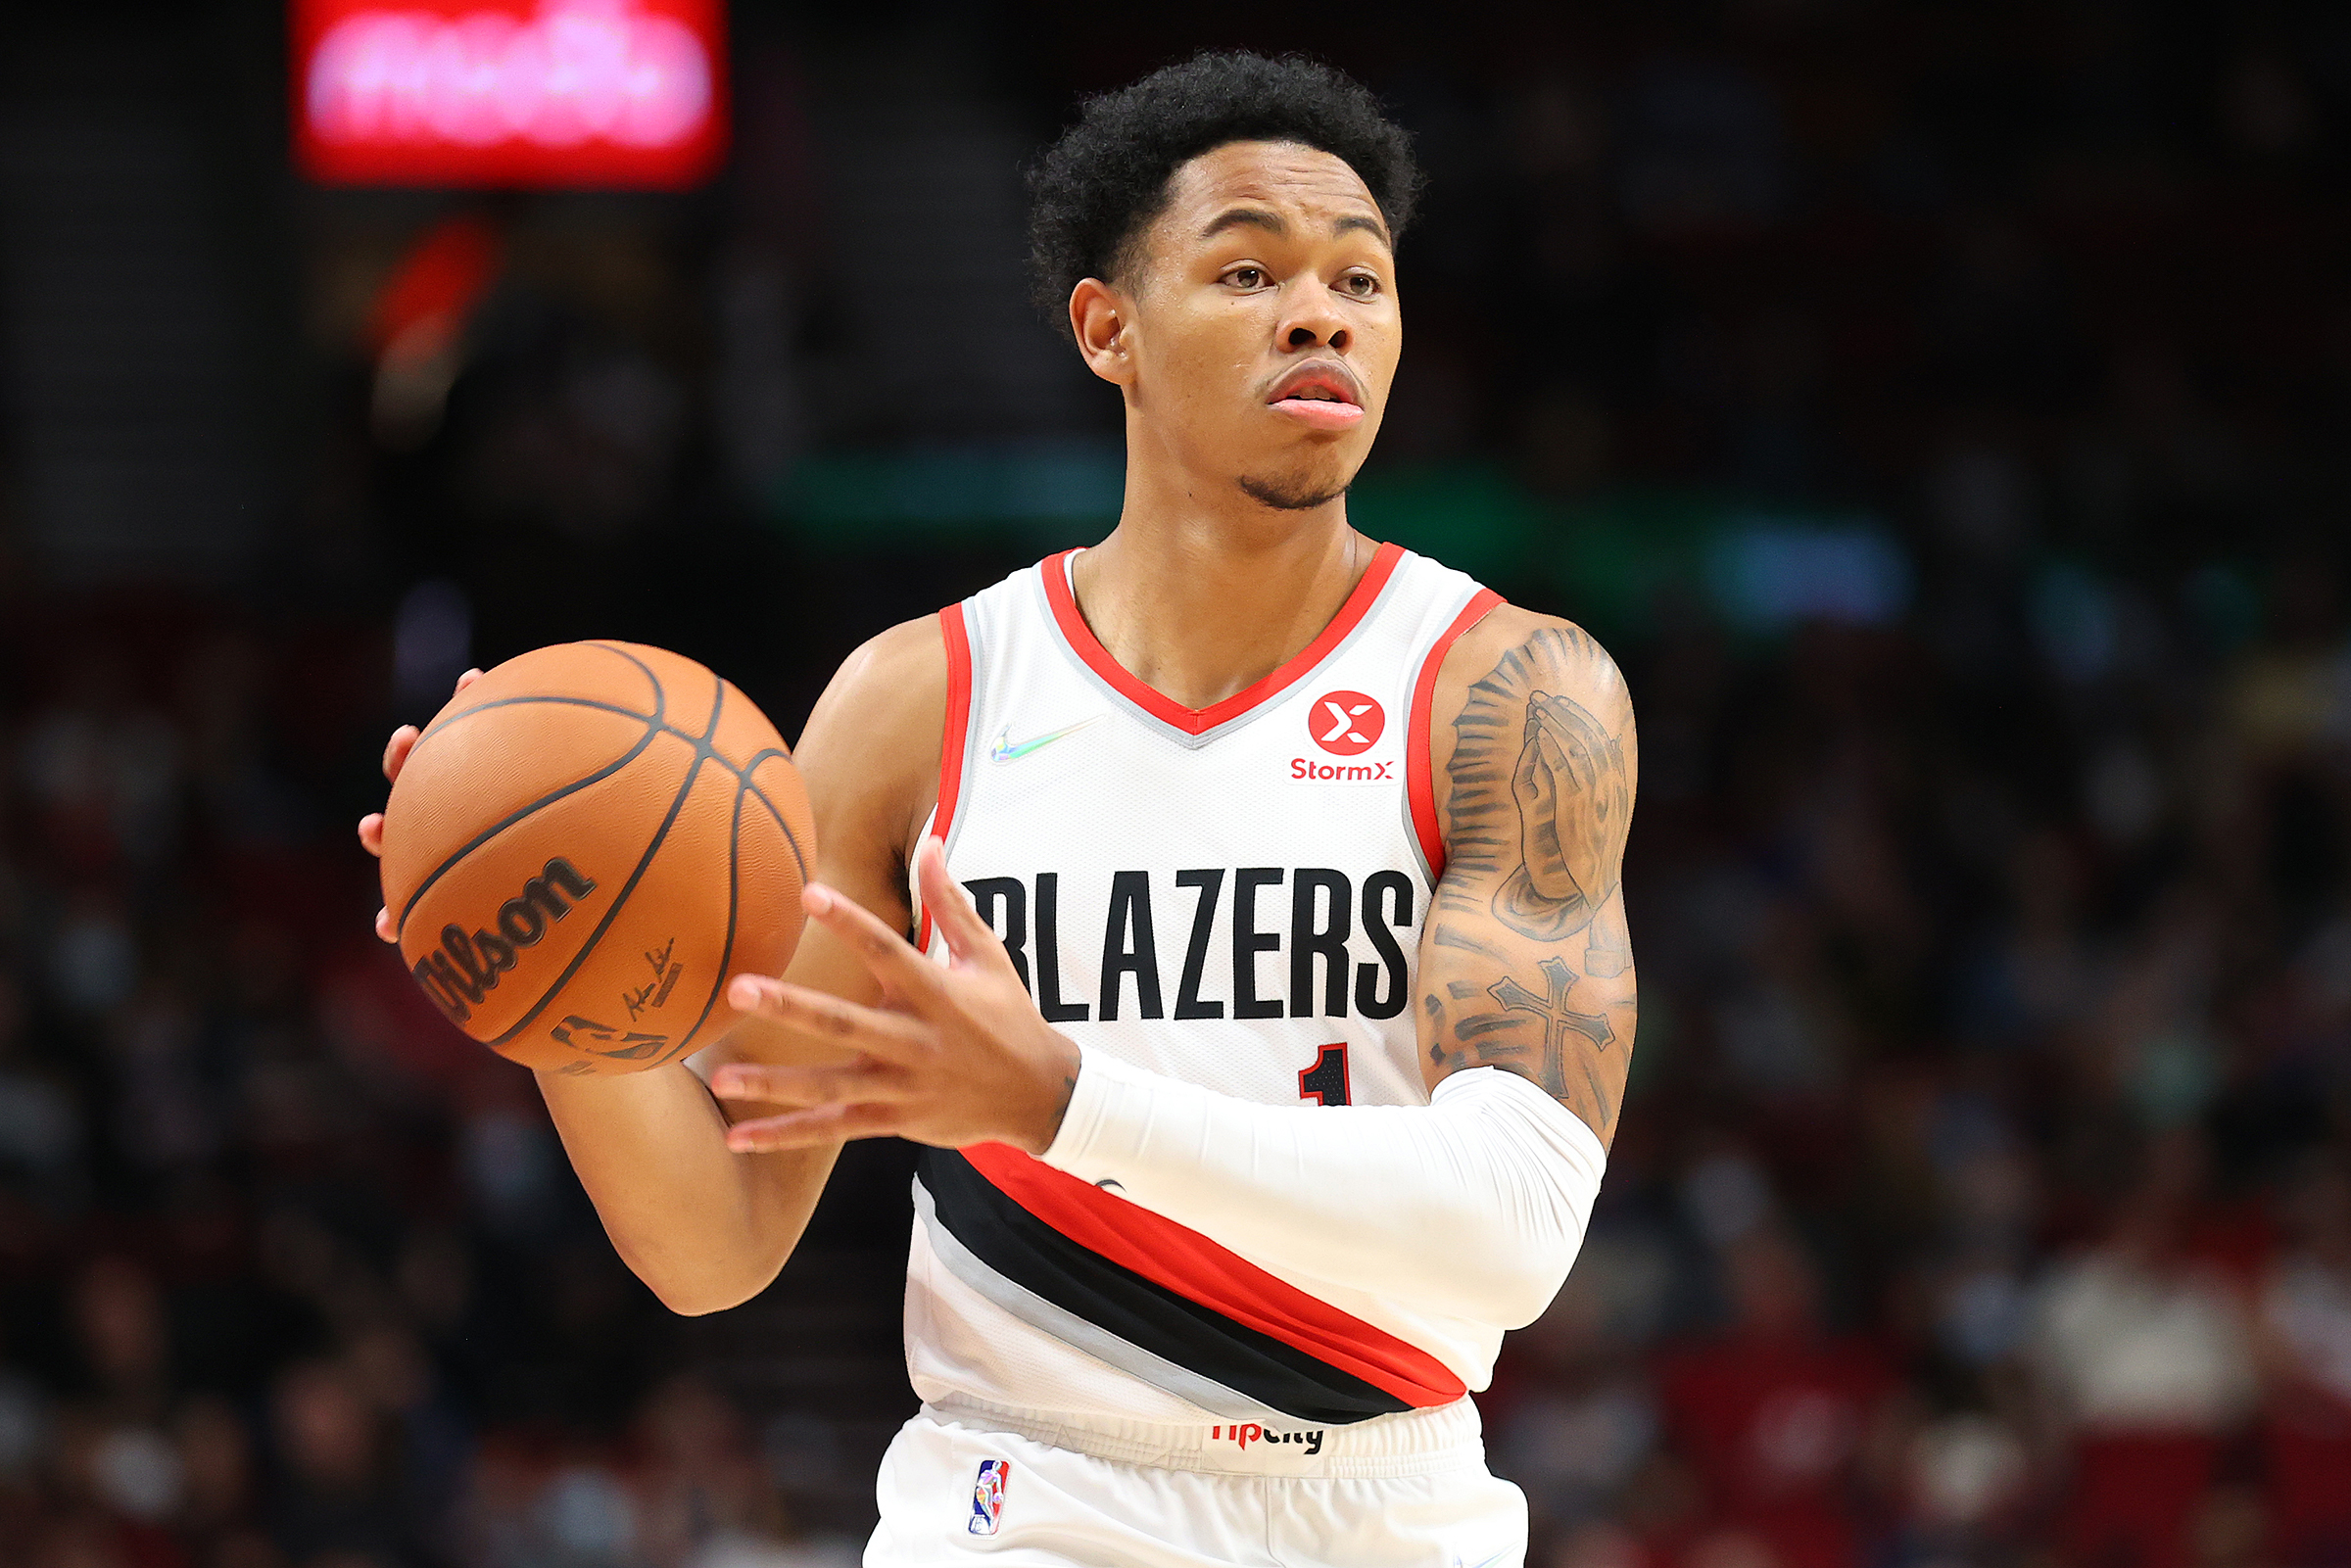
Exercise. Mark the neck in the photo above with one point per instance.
(1202, 603)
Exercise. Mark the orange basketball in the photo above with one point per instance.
(585, 845)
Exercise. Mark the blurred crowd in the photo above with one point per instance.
(1985, 1193)
(290, 1272)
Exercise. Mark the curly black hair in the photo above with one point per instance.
(1096, 188)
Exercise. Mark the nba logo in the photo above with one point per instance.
(987, 1496)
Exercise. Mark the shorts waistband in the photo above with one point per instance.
(1410, 1443)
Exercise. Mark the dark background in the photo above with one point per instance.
(1940, 408)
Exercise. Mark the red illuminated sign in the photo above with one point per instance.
(509, 92)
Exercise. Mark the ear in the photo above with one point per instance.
(1102, 319)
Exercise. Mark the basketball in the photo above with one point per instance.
(585, 845)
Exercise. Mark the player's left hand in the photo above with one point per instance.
(952, 1057)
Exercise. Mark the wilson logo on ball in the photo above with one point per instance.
(1345, 724)
(465, 968)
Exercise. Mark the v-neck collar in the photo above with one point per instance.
(1055, 570)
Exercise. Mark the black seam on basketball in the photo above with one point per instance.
(447, 719)
(621, 899)
(661, 698)
(700, 742)
(643, 668)
(791, 838)
(726, 957)
(718, 703)
(494, 830)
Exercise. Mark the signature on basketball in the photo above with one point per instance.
(655, 991)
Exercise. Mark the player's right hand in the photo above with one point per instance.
(953, 1054)
(371, 826)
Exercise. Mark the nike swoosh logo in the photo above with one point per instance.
(1006, 750)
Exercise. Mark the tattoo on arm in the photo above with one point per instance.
(1540, 802)
(1536, 776)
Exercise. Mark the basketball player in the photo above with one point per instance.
(1266, 1015)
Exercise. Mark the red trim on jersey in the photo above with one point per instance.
(1197, 721)
(1183, 1261)
(952, 736)
(1420, 783)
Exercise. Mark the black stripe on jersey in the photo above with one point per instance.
(1027, 1251)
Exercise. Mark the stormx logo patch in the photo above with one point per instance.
(1249, 1432)
(1311, 769)
(1346, 724)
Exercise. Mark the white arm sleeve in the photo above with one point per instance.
(1472, 1206)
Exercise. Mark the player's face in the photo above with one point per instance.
(1265, 331)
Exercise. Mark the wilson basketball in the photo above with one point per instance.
(583, 848)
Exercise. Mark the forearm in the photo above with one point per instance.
(706, 1228)
(1472, 1207)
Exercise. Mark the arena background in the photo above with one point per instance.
(1940, 408)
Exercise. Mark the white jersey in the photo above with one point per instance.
(1232, 896)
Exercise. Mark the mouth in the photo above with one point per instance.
(1318, 397)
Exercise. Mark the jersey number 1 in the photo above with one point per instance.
(1325, 1082)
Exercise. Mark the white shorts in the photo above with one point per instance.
(968, 1486)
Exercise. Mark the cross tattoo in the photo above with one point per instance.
(1553, 1012)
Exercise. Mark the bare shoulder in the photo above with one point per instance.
(869, 754)
(1535, 761)
(1514, 646)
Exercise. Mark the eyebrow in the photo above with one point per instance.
(1273, 223)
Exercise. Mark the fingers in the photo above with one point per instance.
(971, 941)
(371, 839)
(892, 1036)
(862, 1081)
(404, 738)
(371, 826)
(396, 750)
(901, 969)
(812, 1129)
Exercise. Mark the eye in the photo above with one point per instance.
(1359, 285)
(1247, 278)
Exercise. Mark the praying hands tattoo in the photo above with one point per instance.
(1531, 963)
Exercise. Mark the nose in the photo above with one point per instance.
(1311, 318)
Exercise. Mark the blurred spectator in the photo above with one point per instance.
(1582, 1419)
(118, 1316)
(1774, 1412)
(706, 1500)
(2144, 1353)
(339, 1505)
(1964, 1486)
(2306, 1323)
